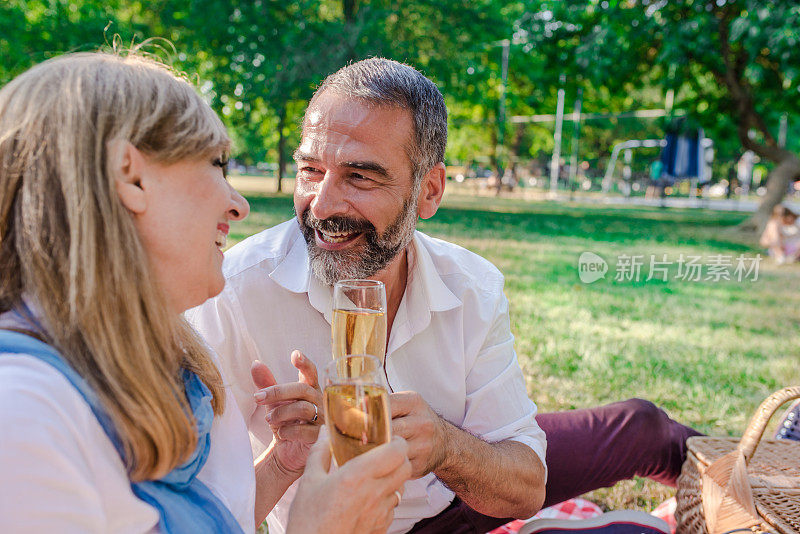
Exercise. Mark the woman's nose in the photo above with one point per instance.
(239, 208)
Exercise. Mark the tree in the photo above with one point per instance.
(34, 30)
(257, 57)
(263, 58)
(734, 65)
(750, 51)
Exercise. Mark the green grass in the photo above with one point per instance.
(707, 351)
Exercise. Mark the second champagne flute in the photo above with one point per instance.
(359, 318)
(356, 404)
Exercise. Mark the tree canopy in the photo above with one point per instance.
(733, 66)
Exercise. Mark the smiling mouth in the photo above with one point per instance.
(336, 237)
(222, 239)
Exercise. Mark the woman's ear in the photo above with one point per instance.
(431, 191)
(129, 164)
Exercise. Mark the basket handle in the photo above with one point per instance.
(752, 436)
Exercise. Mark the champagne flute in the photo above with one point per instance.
(356, 403)
(359, 318)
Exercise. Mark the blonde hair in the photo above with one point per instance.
(68, 244)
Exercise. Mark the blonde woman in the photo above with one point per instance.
(113, 415)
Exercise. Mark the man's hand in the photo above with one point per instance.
(501, 479)
(360, 496)
(422, 428)
(294, 412)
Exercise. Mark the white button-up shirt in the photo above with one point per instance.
(450, 342)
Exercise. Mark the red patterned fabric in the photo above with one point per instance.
(666, 511)
(572, 509)
(583, 509)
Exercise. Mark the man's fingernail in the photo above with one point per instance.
(260, 395)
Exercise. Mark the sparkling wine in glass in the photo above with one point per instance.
(356, 402)
(359, 318)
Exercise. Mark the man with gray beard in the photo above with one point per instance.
(378, 251)
(370, 162)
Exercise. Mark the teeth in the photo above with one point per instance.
(335, 237)
(222, 239)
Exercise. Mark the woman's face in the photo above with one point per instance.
(184, 226)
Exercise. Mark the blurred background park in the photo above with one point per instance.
(616, 159)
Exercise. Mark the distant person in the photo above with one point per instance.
(781, 235)
(114, 417)
(655, 188)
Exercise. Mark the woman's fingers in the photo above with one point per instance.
(262, 376)
(384, 520)
(383, 459)
(319, 459)
(307, 371)
(302, 432)
(394, 481)
(292, 391)
(295, 412)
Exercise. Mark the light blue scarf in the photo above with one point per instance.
(184, 503)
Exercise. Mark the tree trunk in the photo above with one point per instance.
(746, 117)
(516, 149)
(785, 172)
(494, 161)
(349, 10)
(281, 146)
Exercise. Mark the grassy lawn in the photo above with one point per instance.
(707, 351)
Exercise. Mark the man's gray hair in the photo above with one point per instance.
(385, 82)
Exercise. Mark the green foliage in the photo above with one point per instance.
(733, 63)
(259, 61)
(34, 30)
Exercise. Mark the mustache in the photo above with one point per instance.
(337, 224)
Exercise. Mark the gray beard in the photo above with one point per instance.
(362, 262)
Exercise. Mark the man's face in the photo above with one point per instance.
(354, 196)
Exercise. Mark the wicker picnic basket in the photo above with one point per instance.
(727, 484)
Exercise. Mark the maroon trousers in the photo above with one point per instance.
(586, 450)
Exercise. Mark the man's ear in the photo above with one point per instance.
(431, 191)
(128, 164)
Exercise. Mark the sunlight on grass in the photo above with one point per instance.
(706, 351)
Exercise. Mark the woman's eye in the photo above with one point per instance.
(223, 164)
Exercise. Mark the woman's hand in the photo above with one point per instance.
(294, 412)
(360, 496)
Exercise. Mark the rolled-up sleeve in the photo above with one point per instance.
(497, 404)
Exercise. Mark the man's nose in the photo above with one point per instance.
(330, 198)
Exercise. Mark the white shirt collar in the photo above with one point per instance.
(294, 274)
(423, 270)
